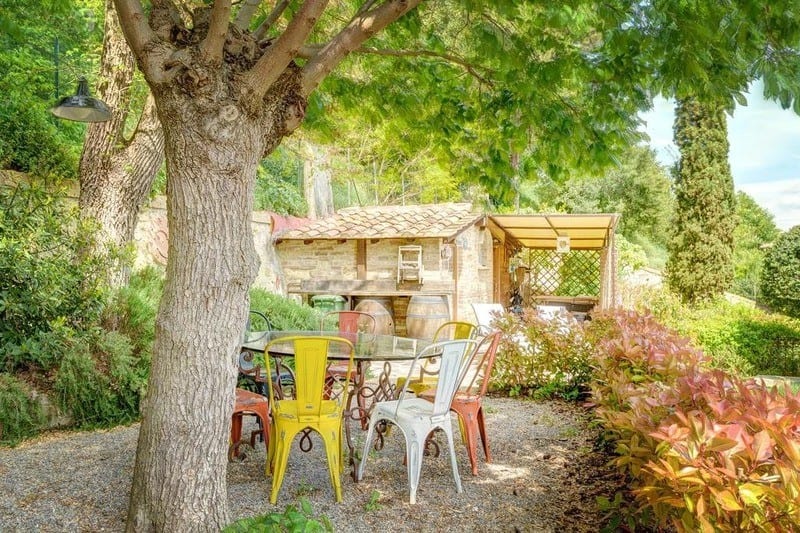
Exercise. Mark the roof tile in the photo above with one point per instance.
(387, 222)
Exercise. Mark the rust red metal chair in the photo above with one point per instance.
(249, 403)
(468, 401)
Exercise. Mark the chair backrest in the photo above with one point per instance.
(486, 313)
(485, 354)
(351, 322)
(456, 356)
(310, 364)
(455, 330)
(256, 327)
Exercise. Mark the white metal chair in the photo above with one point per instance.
(486, 313)
(417, 418)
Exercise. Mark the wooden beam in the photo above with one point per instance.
(361, 259)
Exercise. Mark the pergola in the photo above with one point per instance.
(559, 233)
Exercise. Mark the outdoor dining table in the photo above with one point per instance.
(385, 349)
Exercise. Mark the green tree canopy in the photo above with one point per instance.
(780, 276)
(700, 263)
(755, 228)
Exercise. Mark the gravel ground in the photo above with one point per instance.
(545, 476)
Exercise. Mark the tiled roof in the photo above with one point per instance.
(388, 222)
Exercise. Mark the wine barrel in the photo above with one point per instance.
(425, 314)
(381, 308)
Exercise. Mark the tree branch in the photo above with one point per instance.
(134, 25)
(150, 51)
(245, 14)
(450, 58)
(275, 59)
(212, 46)
(361, 28)
(276, 12)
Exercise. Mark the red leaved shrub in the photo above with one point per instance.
(704, 451)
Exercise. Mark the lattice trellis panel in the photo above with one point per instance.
(575, 273)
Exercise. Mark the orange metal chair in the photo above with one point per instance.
(468, 401)
(309, 409)
(249, 403)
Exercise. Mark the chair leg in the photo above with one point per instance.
(236, 435)
(282, 448)
(362, 463)
(470, 425)
(448, 431)
(484, 439)
(333, 450)
(415, 449)
(270, 450)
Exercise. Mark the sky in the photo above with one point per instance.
(764, 152)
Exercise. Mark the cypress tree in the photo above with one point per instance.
(700, 263)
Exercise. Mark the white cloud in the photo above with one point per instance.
(782, 197)
(764, 152)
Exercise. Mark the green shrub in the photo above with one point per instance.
(134, 307)
(99, 382)
(46, 284)
(284, 313)
(542, 357)
(21, 415)
(780, 274)
(740, 339)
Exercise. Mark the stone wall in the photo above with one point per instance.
(294, 261)
(151, 236)
(336, 261)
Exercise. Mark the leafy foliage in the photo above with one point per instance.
(284, 313)
(541, 357)
(755, 228)
(700, 263)
(20, 415)
(52, 301)
(31, 140)
(780, 278)
(47, 286)
(292, 519)
(99, 381)
(739, 339)
(277, 184)
(704, 451)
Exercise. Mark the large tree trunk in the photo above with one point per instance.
(224, 100)
(211, 166)
(116, 174)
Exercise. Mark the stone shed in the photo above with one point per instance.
(396, 255)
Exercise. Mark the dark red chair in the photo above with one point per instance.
(350, 324)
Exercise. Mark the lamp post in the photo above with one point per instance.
(80, 107)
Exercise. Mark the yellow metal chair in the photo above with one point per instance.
(308, 409)
(428, 372)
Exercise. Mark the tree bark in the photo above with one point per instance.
(180, 475)
(223, 103)
(116, 174)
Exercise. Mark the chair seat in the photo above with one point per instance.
(288, 410)
(414, 409)
(461, 396)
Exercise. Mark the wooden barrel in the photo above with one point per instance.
(425, 314)
(381, 308)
